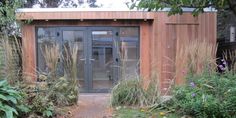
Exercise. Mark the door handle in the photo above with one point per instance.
(83, 60)
(90, 60)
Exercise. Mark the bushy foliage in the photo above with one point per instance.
(177, 5)
(126, 92)
(10, 101)
(7, 16)
(63, 93)
(44, 97)
(207, 95)
(42, 106)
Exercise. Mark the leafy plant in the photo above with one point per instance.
(63, 93)
(177, 5)
(64, 90)
(7, 15)
(10, 101)
(42, 106)
(207, 95)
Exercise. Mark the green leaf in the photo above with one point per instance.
(47, 113)
(24, 108)
(3, 82)
(3, 97)
(11, 109)
(12, 99)
(9, 114)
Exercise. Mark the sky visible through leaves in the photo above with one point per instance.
(114, 4)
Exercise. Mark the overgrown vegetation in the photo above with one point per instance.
(45, 97)
(207, 95)
(131, 92)
(11, 101)
(11, 59)
(8, 24)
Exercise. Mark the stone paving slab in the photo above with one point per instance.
(93, 105)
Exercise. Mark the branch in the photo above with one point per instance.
(232, 6)
(189, 6)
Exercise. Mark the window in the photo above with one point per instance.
(129, 52)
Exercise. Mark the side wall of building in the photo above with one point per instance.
(174, 32)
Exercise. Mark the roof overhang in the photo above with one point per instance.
(89, 13)
(77, 13)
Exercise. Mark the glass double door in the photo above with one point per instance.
(97, 56)
(103, 54)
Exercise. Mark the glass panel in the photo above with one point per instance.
(102, 52)
(129, 52)
(71, 39)
(46, 37)
(129, 33)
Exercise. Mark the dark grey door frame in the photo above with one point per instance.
(85, 51)
(88, 74)
(87, 41)
(115, 56)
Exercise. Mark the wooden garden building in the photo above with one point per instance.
(112, 44)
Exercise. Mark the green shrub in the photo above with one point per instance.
(44, 97)
(42, 106)
(126, 92)
(10, 101)
(63, 93)
(131, 92)
(207, 95)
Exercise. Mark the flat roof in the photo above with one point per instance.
(89, 13)
(97, 9)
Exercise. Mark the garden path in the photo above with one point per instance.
(93, 105)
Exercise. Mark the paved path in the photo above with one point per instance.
(93, 105)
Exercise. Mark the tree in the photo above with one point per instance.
(57, 3)
(177, 5)
(7, 15)
(43, 3)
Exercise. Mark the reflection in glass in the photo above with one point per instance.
(129, 52)
(71, 38)
(102, 58)
(45, 37)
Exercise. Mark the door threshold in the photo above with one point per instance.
(94, 94)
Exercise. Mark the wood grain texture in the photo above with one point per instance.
(145, 52)
(175, 32)
(29, 53)
(96, 15)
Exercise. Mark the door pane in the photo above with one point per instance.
(102, 59)
(46, 38)
(129, 52)
(76, 38)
